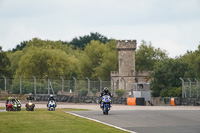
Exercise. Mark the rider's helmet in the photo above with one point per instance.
(9, 98)
(51, 96)
(105, 89)
(30, 94)
(16, 98)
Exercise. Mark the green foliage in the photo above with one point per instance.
(120, 92)
(94, 91)
(19, 46)
(99, 59)
(175, 92)
(193, 60)
(28, 87)
(83, 92)
(166, 75)
(51, 62)
(172, 92)
(81, 42)
(147, 56)
(14, 58)
(109, 61)
(53, 58)
(4, 63)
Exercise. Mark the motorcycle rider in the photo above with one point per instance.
(29, 97)
(51, 98)
(103, 93)
(17, 100)
(9, 99)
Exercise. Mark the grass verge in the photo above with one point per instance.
(43, 121)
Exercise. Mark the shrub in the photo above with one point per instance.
(83, 92)
(28, 87)
(94, 91)
(119, 92)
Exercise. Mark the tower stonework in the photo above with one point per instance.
(126, 57)
(126, 75)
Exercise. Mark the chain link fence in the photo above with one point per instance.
(190, 88)
(53, 86)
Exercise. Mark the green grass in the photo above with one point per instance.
(2, 108)
(43, 121)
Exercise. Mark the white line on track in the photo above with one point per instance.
(102, 122)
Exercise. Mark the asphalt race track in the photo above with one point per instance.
(150, 121)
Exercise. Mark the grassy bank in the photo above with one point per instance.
(43, 121)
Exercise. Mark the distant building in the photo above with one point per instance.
(127, 78)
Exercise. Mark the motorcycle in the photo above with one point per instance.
(105, 104)
(30, 106)
(18, 106)
(15, 106)
(9, 106)
(51, 105)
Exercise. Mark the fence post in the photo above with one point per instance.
(5, 82)
(34, 85)
(100, 84)
(113, 81)
(183, 88)
(48, 82)
(124, 86)
(75, 81)
(190, 86)
(88, 84)
(197, 87)
(20, 84)
(63, 83)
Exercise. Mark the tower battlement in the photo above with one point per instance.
(126, 44)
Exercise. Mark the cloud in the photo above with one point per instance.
(173, 23)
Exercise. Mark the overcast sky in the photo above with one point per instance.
(173, 25)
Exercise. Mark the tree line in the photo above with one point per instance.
(93, 56)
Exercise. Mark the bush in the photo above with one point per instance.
(28, 87)
(173, 92)
(120, 92)
(94, 91)
(83, 92)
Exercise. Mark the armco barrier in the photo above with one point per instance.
(172, 102)
(131, 101)
(135, 101)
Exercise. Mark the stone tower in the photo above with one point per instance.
(125, 77)
(126, 57)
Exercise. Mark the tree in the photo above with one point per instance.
(51, 62)
(109, 61)
(20, 46)
(81, 42)
(193, 60)
(14, 58)
(99, 59)
(147, 56)
(4, 63)
(166, 74)
(93, 57)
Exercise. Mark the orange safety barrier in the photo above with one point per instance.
(131, 101)
(172, 102)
